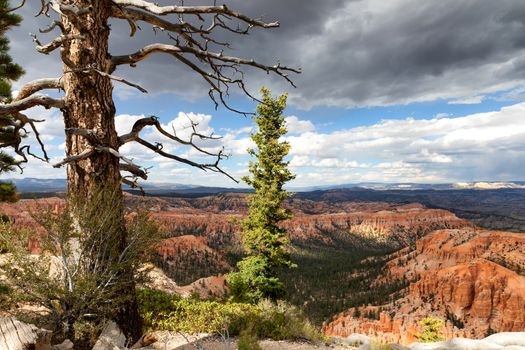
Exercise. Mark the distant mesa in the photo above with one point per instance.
(487, 185)
(163, 188)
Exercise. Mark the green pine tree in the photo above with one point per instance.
(9, 72)
(263, 239)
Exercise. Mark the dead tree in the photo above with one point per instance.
(92, 144)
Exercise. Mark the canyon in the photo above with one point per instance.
(378, 266)
(471, 278)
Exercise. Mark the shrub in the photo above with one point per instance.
(248, 340)
(431, 330)
(78, 278)
(279, 321)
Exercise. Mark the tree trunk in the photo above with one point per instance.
(89, 105)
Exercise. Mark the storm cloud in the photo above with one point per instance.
(353, 53)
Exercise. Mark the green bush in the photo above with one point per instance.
(278, 321)
(248, 340)
(431, 330)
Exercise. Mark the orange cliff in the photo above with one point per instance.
(473, 279)
(381, 223)
(216, 218)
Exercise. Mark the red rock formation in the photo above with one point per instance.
(471, 278)
(380, 223)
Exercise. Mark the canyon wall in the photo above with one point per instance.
(471, 278)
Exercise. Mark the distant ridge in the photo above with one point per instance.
(171, 189)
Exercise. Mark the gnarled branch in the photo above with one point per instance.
(154, 121)
(221, 68)
(17, 122)
(38, 85)
(31, 101)
(88, 152)
(55, 44)
(69, 10)
(193, 10)
(201, 54)
(134, 136)
(14, 122)
(134, 169)
(107, 75)
(52, 26)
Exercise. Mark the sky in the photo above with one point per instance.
(390, 91)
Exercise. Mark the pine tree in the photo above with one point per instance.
(264, 240)
(9, 71)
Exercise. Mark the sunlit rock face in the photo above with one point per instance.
(471, 278)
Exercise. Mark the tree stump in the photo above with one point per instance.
(16, 335)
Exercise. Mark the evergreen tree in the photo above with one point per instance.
(9, 71)
(264, 240)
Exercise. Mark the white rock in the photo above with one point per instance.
(504, 340)
(507, 338)
(356, 339)
(65, 345)
(172, 340)
(111, 338)
(16, 335)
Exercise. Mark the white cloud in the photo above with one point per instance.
(297, 126)
(472, 100)
(478, 146)
(441, 149)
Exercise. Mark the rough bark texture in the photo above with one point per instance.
(88, 98)
(89, 105)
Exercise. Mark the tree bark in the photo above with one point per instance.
(89, 105)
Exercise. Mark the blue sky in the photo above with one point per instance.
(404, 91)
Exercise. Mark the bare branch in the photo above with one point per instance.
(37, 85)
(75, 158)
(193, 10)
(17, 122)
(11, 117)
(52, 26)
(17, 7)
(172, 50)
(89, 134)
(68, 9)
(56, 43)
(220, 72)
(122, 80)
(112, 77)
(140, 124)
(119, 12)
(116, 154)
(31, 101)
(134, 169)
(154, 121)
(138, 15)
(133, 15)
(133, 183)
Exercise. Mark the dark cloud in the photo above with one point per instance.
(353, 53)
